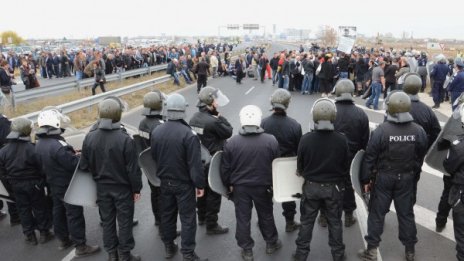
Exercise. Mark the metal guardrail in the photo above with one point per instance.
(22, 96)
(95, 99)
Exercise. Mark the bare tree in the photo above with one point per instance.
(328, 35)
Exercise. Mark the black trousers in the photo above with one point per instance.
(399, 189)
(208, 207)
(95, 85)
(244, 198)
(155, 202)
(68, 220)
(444, 207)
(240, 76)
(178, 197)
(115, 202)
(201, 81)
(349, 201)
(289, 210)
(315, 197)
(32, 205)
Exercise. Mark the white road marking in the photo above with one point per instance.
(70, 256)
(362, 214)
(246, 93)
(423, 218)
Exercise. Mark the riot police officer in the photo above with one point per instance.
(288, 132)
(12, 210)
(454, 164)
(395, 152)
(19, 164)
(246, 168)
(176, 150)
(109, 154)
(213, 130)
(153, 105)
(354, 124)
(59, 161)
(323, 159)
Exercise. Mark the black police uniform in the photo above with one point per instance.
(146, 127)
(354, 124)
(20, 167)
(176, 150)
(109, 154)
(454, 164)
(59, 161)
(426, 118)
(323, 160)
(213, 131)
(396, 151)
(288, 132)
(12, 210)
(247, 166)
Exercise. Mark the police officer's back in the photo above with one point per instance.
(20, 167)
(109, 153)
(288, 132)
(176, 151)
(323, 159)
(213, 129)
(395, 152)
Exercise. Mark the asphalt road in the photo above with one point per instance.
(431, 246)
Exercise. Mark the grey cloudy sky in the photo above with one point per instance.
(93, 18)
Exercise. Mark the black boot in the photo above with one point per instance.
(271, 248)
(247, 255)
(31, 239)
(171, 250)
(113, 256)
(127, 256)
(85, 250)
(193, 257)
(65, 243)
(292, 226)
(216, 230)
(45, 236)
(349, 219)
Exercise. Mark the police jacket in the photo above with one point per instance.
(354, 124)
(454, 163)
(425, 117)
(457, 85)
(323, 156)
(212, 130)
(176, 151)
(57, 158)
(146, 127)
(286, 130)
(247, 159)
(109, 153)
(395, 148)
(439, 72)
(4, 129)
(18, 161)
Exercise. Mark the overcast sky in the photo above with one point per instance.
(93, 18)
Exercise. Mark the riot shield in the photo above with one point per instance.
(148, 167)
(4, 195)
(82, 191)
(453, 128)
(355, 172)
(286, 184)
(140, 144)
(205, 155)
(214, 175)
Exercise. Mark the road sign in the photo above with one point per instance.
(250, 26)
(233, 27)
(442, 46)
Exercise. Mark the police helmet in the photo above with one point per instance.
(280, 99)
(412, 84)
(175, 107)
(250, 115)
(20, 127)
(53, 118)
(122, 104)
(208, 95)
(324, 113)
(153, 103)
(344, 90)
(110, 109)
(398, 107)
(459, 62)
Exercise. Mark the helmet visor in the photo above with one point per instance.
(221, 98)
